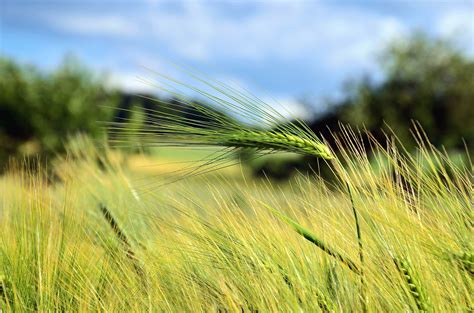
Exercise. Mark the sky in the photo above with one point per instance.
(284, 50)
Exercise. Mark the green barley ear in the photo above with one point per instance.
(277, 141)
(308, 235)
(122, 237)
(230, 119)
(414, 286)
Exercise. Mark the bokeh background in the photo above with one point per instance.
(376, 65)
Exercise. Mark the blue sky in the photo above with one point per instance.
(281, 49)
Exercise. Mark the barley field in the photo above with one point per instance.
(229, 156)
(111, 233)
(188, 228)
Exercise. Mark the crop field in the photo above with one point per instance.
(183, 225)
(106, 234)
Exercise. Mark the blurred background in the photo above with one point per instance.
(377, 65)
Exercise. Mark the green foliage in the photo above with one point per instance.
(425, 80)
(45, 107)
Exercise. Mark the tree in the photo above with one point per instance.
(47, 107)
(425, 80)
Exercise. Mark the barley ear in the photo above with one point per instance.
(308, 235)
(414, 286)
(120, 234)
(276, 141)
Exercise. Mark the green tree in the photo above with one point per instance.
(47, 107)
(426, 80)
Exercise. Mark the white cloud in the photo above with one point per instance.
(458, 24)
(306, 30)
(288, 107)
(108, 25)
(455, 22)
(131, 83)
(360, 46)
(302, 30)
(337, 37)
